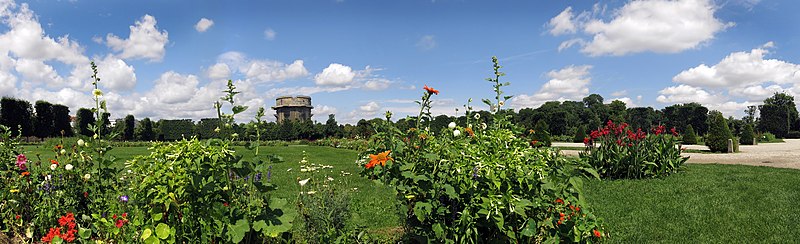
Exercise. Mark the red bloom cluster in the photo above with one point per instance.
(121, 221)
(638, 135)
(597, 233)
(67, 221)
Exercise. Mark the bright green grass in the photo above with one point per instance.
(372, 205)
(704, 204)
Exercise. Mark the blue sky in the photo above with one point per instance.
(357, 59)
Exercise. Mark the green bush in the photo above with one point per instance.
(718, 133)
(793, 135)
(580, 133)
(625, 154)
(540, 137)
(689, 137)
(480, 185)
(748, 136)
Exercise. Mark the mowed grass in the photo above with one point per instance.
(703, 204)
(372, 205)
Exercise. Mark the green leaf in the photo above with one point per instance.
(422, 209)
(57, 240)
(238, 109)
(162, 231)
(84, 233)
(259, 225)
(146, 233)
(437, 229)
(450, 191)
(530, 229)
(156, 217)
(237, 232)
(152, 240)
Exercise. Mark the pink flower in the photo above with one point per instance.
(21, 161)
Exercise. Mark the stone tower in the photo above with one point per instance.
(292, 108)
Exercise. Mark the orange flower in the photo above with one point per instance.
(26, 173)
(379, 158)
(469, 131)
(559, 201)
(431, 90)
(58, 147)
(597, 233)
(53, 161)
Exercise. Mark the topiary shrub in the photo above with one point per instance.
(580, 133)
(748, 136)
(689, 137)
(718, 133)
(540, 137)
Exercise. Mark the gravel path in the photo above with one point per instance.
(781, 155)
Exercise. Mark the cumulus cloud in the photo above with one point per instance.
(335, 75)
(427, 42)
(742, 69)
(661, 26)
(321, 112)
(145, 41)
(219, 71)
(270, 34)
(117, 75)
(258, 70)
(173, 87)
(569, 83)
(203, 25)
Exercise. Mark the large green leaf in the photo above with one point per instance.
(237, 231)
(162, 231)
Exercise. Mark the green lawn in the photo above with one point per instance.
(704, 204)
(372, 205)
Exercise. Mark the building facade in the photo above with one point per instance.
(292, 108)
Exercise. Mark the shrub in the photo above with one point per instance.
(748, 136)
(718, 133)
(580, 133)
(689, 137)
(793, 135)
(768, 137)
(623, 153)
(481, 184)
(540, 137)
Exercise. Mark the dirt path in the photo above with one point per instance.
(781, 155)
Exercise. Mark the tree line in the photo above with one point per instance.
(777, 115)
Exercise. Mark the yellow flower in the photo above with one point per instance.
(97, 92)
(14, 190)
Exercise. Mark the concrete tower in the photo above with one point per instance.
(292, 108)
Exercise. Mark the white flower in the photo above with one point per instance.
(234, 135)
(63, 151)
(483, 126)
(87, 177)
(501, 103)
(216, 130)
(48, 177)
(456, 133)
(311, 192)
(303, 182)
(81, 142)
(452, 125)
(96, 136)
(330, 178)
(68, 167)
(477, 116)
(53, 166)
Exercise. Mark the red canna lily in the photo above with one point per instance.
(430, 90)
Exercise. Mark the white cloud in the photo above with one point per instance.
(173, 87)
(742, 69)
(377, 84)
(619, 93)
(571, 42)
(145, 41)
(568, 83)
(116, 74)
(369, 107)
(270, 34)
(267, 70)
(562, 23)
(335, 75)
(203, 25)
(321, 112)
(661, 26)
(427, 42)
(687, 94)
(627, 100)
(219, 71)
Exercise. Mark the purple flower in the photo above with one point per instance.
(124, 198)
(269, 173)
(257, 177)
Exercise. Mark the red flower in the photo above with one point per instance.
(119, 223)
(534, 142)
(431, 90)
(225, 204)
(586, 141)
(561, 215)
(674, 131)
(597, 233)
(17, 217)
(51, 234)
(559, 201)
(85, 194)
(114, 217)
(658, 130)
(125, 215)
(53, 161)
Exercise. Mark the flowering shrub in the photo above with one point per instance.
(471, 183)
(616, 151)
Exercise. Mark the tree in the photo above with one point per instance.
(750, 118)
(45, 124)
(128, 131)
(205, 128)
(718, 132)
(689, 137)
(331, 127)
(617, 111)
(747, 135)
(146, 132)
(682, 115)
(176, 129)
(641, 118)
(778, 114)
(580, 133)
(84, 118)
(105, 128)
(62, 121)
(540, 134)
(16, 114)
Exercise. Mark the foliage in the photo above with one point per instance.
(767, 137)
(84, 118)
(175, 129)
(205, 128)
(689, 136)
(617, 152)
(681, 116)
(44, 123)
(130, 126)
(62, 124)
(580, 133)
(540, 135)
(17, 114)
(478, 184)
(718, 133)
(748, 136)
(145, 133)
(352, 144)
(778, 115)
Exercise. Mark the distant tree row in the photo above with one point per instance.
(778, 115)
